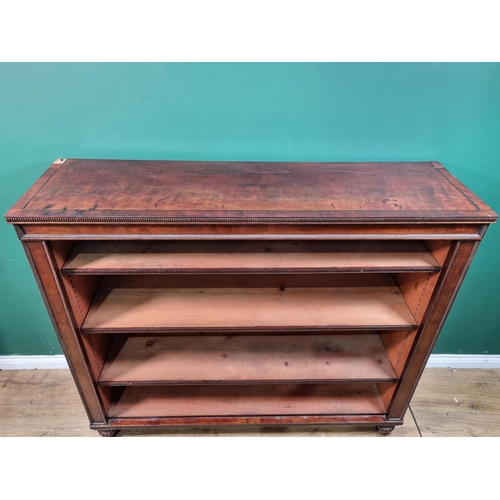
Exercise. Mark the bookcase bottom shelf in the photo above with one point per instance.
(115, 424)
(248, 400)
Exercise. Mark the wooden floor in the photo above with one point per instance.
(447, 402)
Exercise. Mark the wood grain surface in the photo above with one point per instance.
(240, 358)
(247, 309)
(107, 257)
(249, 288)
(458, 403)
(41, 403)
(215, 400)
(84, 189)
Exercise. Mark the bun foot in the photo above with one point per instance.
(107, 434)
(384, 430)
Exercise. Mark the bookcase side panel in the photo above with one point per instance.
(452, 275)
(43, 268)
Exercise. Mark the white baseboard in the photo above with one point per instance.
(464, 361)
(33, 362)
(435, 361)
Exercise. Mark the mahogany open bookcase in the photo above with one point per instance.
(245, 293)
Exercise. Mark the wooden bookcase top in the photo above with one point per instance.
(128, 191)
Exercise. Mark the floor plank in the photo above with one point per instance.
(41, 403)
(450, 402)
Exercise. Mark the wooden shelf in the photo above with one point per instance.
(250, 359)
(108, 257)
(232, 400)
(121, 306)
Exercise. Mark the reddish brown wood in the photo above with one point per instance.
(232, 257)
(271, 280)
(139, 309)
(239, 359)
(365, 420)
(33, 190)
(82, 190)
(454, 270)
(332, 230)
(417, 292)
(64, 323)
(79, 292)
(267, 230)
(215, 400)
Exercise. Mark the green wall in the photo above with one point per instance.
(279, 112)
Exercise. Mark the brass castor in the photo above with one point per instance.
(107, 434)
(384, 430)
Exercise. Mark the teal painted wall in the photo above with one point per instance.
(313, 112)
